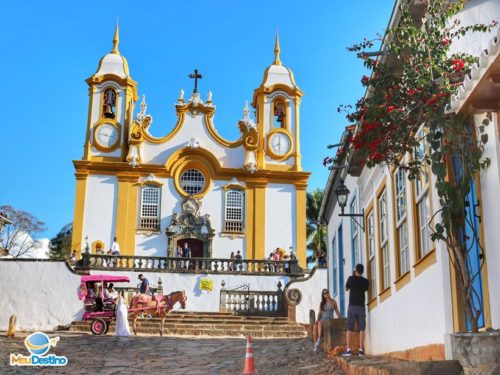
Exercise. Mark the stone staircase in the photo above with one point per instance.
(212, 324)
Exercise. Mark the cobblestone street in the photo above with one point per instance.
(173, 356)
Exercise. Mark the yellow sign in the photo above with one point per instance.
(206, 284)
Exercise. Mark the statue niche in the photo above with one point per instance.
(190, 224)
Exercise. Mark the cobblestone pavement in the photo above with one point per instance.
(173, 356)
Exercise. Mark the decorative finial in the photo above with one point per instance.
(209, 97)
(246, 111)
(181, 96)
(277, 50)
(116, 40)
(144, 106)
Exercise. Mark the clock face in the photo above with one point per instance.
(280, 143)
(106, 135)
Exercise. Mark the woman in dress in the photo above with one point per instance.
(122, 327)
(326, 309)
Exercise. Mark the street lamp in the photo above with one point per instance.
(342, 193)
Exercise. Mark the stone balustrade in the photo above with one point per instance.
(189, 265)
(250, 302)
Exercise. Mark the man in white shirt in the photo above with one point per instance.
(115, 248)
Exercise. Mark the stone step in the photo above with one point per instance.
(264, 332)
(213, 322)
(177, 327)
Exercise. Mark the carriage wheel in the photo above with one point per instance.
(99, 327)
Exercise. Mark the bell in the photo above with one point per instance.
(108, 111)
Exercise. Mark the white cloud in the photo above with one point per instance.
(40, 251)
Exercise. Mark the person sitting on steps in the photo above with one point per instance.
(326, 309)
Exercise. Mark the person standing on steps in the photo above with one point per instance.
(357, 286)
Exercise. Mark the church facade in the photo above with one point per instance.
(190, 185)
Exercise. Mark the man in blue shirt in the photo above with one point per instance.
(144, 287)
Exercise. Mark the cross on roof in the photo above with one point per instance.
(196, 76)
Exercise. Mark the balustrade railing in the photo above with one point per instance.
(252, 302)
(189, 265)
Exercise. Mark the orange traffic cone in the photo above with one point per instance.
(249, 363)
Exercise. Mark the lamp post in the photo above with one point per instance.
(342, 193)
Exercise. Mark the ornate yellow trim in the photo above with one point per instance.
(217, 137)
(200, 166)
(257, 188)
(269, 150)
(249, 221)
(150, 183)
(300, 223)
(298, 156)
(166, 138)
(266, 90)
(199, 159)
(118, 128)
(79, 211)
(107, 166)
(94, 246)
(234, 187)
(117, 79)
(126, 213)
(250, 137)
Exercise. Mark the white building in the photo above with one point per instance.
(412, 301)
(190, 185)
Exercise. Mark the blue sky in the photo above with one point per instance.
(50, 48)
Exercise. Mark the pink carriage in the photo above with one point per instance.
(99, 311)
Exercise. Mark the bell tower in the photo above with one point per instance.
(112, 94)
(277, 105)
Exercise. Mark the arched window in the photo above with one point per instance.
(279, 112)
(234, 211)
(149, 214)
(109, 104)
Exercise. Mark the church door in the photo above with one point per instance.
(195, 245)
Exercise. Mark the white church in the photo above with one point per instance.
(190, 185)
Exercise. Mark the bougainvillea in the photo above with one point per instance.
(409, 89)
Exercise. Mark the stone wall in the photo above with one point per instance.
(43, 294)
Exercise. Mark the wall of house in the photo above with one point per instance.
(413, 312)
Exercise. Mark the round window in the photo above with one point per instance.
(192, 181)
